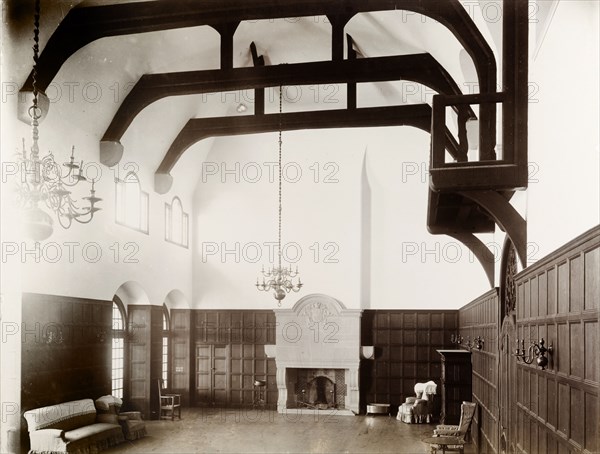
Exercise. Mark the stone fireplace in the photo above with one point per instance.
(317, 353)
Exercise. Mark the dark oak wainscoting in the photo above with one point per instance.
(406, 344)
(65, 351)
(558, 409)
(228, 355)
(480, 318)
(522, 408)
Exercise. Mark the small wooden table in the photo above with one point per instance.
(445, 442)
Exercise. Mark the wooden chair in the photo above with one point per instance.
(460, 432)
(168, 402)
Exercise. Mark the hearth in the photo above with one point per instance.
(318, 389)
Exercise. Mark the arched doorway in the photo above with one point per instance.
(507, 397)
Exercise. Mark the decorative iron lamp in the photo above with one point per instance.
(535, 351)
(478, 342)
(43, 179)
(456, 339)
(279, 279)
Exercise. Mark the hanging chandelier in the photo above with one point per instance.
(279, 278)
(43, 180)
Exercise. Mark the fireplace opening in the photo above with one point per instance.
(317, 389)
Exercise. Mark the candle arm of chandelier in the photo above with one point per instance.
(59, 200)
(90, 213)
(270, 272)
(289, 286)
(51, 172)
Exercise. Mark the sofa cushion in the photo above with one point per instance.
(89, 431)
(108, 403)
(99, 435)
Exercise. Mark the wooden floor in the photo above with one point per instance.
(248, 431)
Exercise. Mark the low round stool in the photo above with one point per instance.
(378, 409)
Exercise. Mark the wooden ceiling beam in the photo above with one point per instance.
(421, 68)
(83, 25)
(196, 129)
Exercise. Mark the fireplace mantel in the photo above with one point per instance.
(318, 332)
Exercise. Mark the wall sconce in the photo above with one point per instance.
(478, 342)
(53, 337)
(459, 340)
(456, 339)
(131, 333)
(101, 336)
(468, 345)
(535, 351)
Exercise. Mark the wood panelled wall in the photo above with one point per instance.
(558, 410)
(405, 344)
(78, 367)
(240, 338)
(480, 318)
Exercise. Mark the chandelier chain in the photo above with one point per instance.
(36, 50)
(280, 174)
(34, 111)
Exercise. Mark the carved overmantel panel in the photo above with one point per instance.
(318, 332)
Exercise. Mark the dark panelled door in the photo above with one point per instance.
(211, 374)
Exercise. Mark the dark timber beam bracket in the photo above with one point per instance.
(338, 22)
(197, 129)
(227, 31)
(505, 216)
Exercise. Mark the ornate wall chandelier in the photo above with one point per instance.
(279, 278)
(43, 179)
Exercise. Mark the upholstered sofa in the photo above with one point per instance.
(70, 427)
